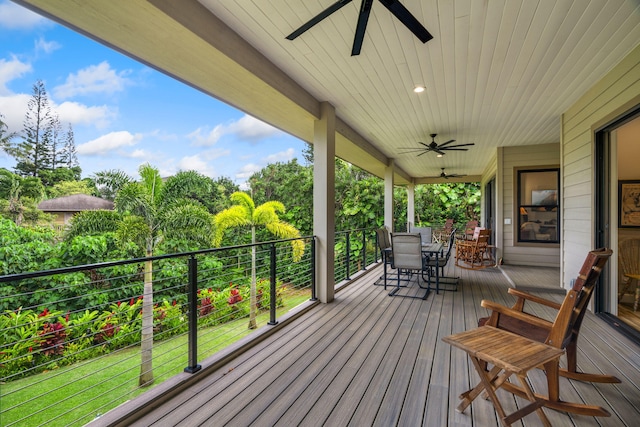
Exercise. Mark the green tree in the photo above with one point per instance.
(109, 182)
(19, 197)
(68, 155)
(146, 220)
(68, 188)
(5, 135)
(33, 153)
(290, 183)
(244, 213)
(192, 185)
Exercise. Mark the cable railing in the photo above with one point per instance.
(354, 251)
(70, 338)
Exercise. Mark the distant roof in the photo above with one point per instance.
(75, 203)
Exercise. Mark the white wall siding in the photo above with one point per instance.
(603, 103)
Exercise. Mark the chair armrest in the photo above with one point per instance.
(519, 315)
(533, 298)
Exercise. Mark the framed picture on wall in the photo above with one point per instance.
(629, 203)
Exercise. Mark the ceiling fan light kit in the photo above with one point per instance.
(394, 6)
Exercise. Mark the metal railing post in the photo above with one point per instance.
(193, 316)
(272, 287)
(364, 249)
(313, 269)
(348, 263)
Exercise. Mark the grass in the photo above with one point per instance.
(76, 394)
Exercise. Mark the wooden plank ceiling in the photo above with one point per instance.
(497, 73)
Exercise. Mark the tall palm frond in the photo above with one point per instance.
(267, 213)
(93, 222)
(235, 216)
(189, 220)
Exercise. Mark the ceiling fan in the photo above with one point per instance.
(447, 175)
(394, 6)
(433, 146)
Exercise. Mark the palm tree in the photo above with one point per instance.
(244, 213)
(109, 182)
(146, 220)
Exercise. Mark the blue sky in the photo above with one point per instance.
(124, 113)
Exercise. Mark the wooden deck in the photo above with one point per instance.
(371, 359)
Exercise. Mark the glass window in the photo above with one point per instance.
(538, 211)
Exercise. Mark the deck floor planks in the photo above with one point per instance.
(300, 364)
(332, 384)
(365, 373)
(414, 407)
(377, 358)
(397, 392)
(459, 379)
(369, 407)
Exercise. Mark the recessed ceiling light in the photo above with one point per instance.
(439, 155)
(418, 89)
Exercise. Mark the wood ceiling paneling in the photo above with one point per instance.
(498, 73)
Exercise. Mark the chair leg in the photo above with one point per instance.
(572, 368)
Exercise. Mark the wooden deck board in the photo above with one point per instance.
(371, 359)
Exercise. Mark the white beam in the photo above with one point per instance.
(388, 195)
(324, 152)
(411, 207)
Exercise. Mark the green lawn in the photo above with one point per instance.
(76, 394)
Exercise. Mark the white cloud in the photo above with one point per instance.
(247, 128)
(110, 143)
(11, 69)
(200, 139)
(13, 108)
(282, 156)
(214, 153)
(195, 163)
(95, 79)
(14, 17)
(247, 170)
(76, 113)
(252, 129)
(47, 47)
(139, 154)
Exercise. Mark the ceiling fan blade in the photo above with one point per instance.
(411, 150)
(407, 19)
(444, 144)
(363, 19)
(456, 149)
(319, 17)
(425, 152)
(461, 145)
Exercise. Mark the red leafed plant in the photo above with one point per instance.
(53, 336)
(235, 297)
(206, 306)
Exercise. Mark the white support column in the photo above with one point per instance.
(411, 207)
(388, 195)
(324, 173)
